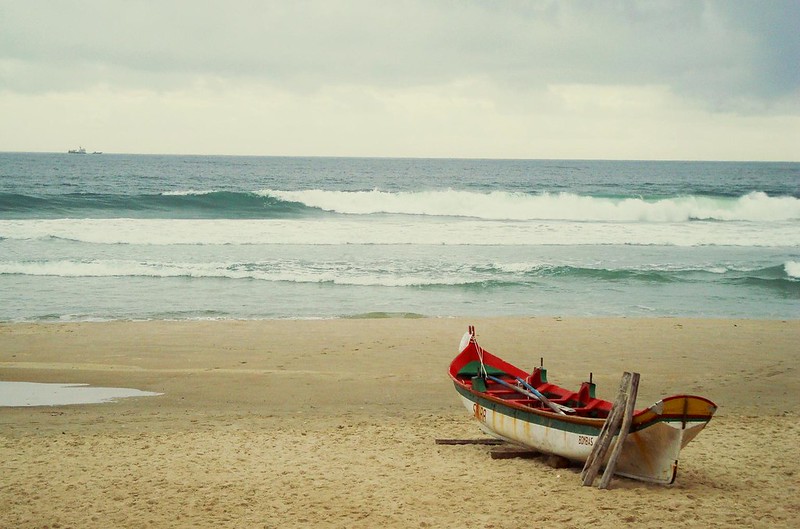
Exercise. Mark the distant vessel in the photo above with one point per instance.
(79, 150)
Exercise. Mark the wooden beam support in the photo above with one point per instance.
(610, 428)
(623, 431)
(511, 454)
(469, 442)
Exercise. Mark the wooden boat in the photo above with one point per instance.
(525, 409)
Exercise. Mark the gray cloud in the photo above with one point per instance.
(729, 54)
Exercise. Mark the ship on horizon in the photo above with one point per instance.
(81, 150)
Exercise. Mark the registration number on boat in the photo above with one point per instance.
(585, 440)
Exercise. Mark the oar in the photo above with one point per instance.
(527, 393)
(543, 398)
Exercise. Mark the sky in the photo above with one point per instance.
(671, 79)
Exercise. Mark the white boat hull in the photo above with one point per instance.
(650, 454)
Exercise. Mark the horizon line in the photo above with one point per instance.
(387, 157)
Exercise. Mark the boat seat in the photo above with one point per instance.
(498, 390)
(589, 406)
(587, 410)
(556, 396)
(502, 393)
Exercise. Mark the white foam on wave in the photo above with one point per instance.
(501, 205)
(389, 272)
(399, 230)
(792, 269)
(188, 192)
(533, 267)
(278, 270)
(109, 268)
(520, 268)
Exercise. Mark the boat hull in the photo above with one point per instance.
(650, 452)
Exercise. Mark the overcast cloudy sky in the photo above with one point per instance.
(492, 79)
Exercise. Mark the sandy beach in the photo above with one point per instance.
(332, 423)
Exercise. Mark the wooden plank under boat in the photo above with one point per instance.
(502, 398)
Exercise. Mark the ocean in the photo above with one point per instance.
(141, 237)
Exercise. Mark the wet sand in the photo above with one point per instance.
(332, 424)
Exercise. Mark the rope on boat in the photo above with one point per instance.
(480, 351)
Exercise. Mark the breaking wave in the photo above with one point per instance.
(497, 205)
(502, 205)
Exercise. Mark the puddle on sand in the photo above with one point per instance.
(40, 394)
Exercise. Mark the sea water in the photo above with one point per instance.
(104, 237)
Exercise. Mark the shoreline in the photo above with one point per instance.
(380, 315)
(330, 423)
